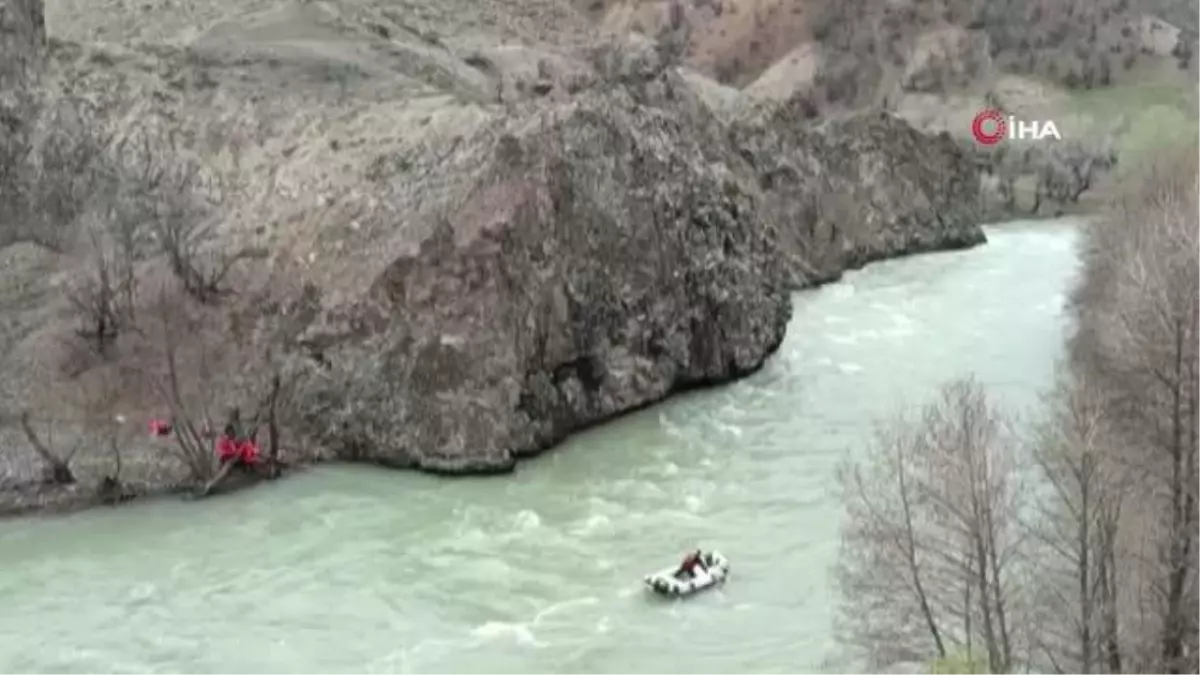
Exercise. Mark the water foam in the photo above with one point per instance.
(594, 523)
(519, 633)
(528, 519)
(559, 607)
(729, 429)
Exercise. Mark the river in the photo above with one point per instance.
(353, 569)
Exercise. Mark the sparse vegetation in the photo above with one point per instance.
(54, 169)
(1099, 559)
(930, 537)
(1049, 178)
(57, 469)
(120, 209)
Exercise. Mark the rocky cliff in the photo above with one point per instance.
(472, 248)
(598, 263)
(859, 188)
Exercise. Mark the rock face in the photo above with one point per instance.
(22, 41)
(598, 263)
(857, 189)
(614, 249)
(466, 280)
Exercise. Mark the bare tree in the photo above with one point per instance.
(58, 469)
(885, 567)
(104, 290)
(101, 397)
(1076, 524)
(266, 413)
(178, 197)
(197, 366)
(971, 490)
(1074, 166)
(1138, 310)
(185, 394)
(927, 562)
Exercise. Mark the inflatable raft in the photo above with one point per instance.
(666, 583)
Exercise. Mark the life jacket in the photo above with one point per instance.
(249, 452)
(228, 448)
(160, 428)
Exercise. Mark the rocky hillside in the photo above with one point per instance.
(458, 242)
(1074, 42)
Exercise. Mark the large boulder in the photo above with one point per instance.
(596, 263)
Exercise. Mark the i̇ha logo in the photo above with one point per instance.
(991, 126)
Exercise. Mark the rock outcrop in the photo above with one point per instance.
(598, 263)
(466, 280)
(611, 250)
(856, 189)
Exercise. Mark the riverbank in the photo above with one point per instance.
(349, 569)
(35, 498)
(452, 298)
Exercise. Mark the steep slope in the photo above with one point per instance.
(595, 264)
(465, 247)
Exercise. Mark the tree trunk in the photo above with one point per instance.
(911, 554)
(1181, 519)
(273, 429)
(227, 467)
(59, 471)
(1085, 583)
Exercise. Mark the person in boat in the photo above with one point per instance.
(693, 561)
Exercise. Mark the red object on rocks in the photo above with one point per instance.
(226, 448)
(249, 452)
(229, 449)
(160, 428)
